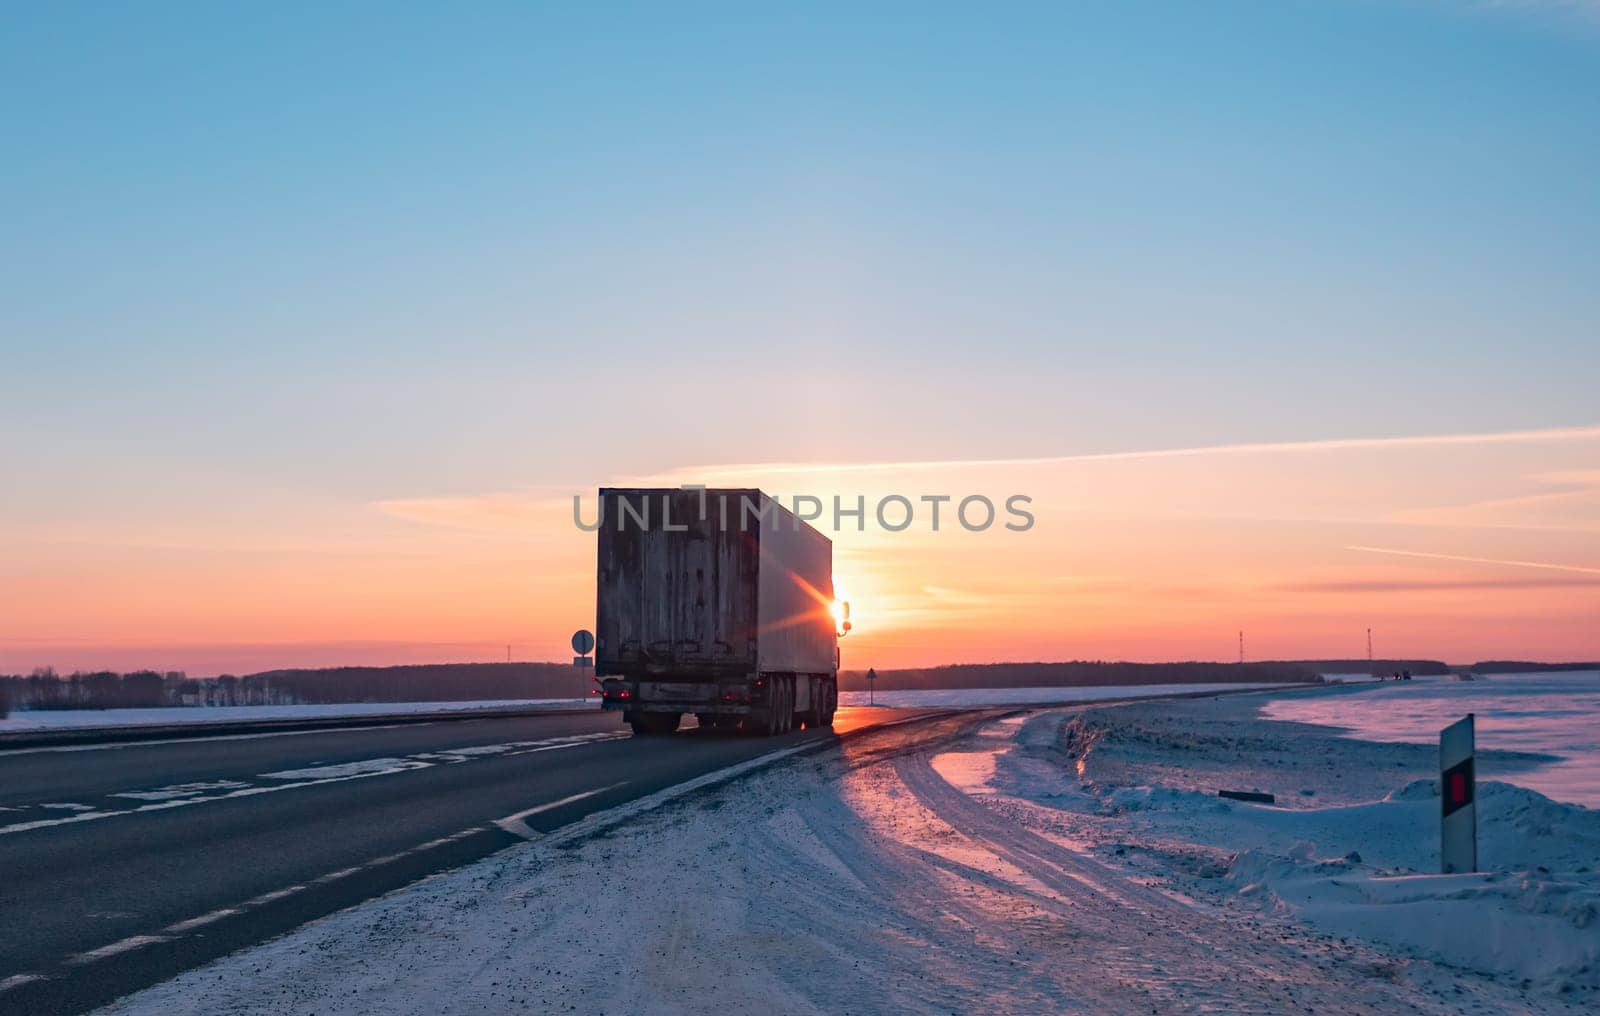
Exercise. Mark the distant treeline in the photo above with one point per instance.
(457, 682)
(1076, 673)
(1431, 668)
(45, 689)
(1526, 667)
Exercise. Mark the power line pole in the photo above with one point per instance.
(1241, 646)
(1369, 645)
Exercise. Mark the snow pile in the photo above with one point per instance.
(1539, 928)
(1348, 859)
(1533, 914)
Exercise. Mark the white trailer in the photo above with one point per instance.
(717, 603)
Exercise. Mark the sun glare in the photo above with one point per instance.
(837, 606)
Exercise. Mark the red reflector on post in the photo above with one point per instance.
(1458, 788)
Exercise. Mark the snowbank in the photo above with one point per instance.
(1541, 929)
(75, 719)
(1336, 850)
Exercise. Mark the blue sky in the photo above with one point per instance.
(1353, 218)
(388, 251)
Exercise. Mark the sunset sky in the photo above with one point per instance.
(1286, 315)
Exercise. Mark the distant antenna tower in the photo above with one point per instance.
(1241, 646)
(508, 654)
(1369, 645)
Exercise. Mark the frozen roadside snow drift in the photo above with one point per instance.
(1533, 914)
(1334, 851)
(1539, 929)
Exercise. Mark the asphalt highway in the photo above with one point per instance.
(124, 864)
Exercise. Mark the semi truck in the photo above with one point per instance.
(716, 603)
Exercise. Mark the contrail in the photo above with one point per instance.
(1480, 560)
(1331, 444)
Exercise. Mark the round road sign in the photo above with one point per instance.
(582, 641)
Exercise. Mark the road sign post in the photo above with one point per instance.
(872, 687)
(1458, 814)
(582, 642)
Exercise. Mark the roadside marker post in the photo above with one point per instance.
(872, 687)
(582, 642)
(1458, 812)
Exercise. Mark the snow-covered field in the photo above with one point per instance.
(944, 697)
(78, 719)
(1063, 861)
(1555, 714)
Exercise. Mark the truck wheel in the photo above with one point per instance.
(769, 721)
(813, 716)
(787, 715)
(830, 702)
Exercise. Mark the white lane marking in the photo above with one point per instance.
(178, 790)
(112, 745)
(117, 948)
(273, 897)
(358, 772)
(180, 928)
(334, 876)
(517, 824)
(201, 921)
(365, 767)
(68, 807)
(18, 980)
(441, 841)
